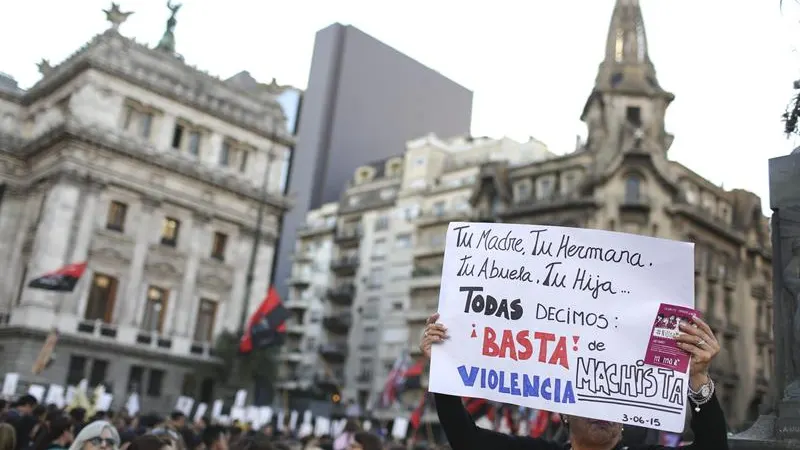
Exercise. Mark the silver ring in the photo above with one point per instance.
(700, 343)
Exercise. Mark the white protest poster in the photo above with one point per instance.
(184, 404)
(216, 409)
(37, 391)
(104, 402)
(400, 428)
(10, 382)
(201, 411)
(559, 319)
(55, 395)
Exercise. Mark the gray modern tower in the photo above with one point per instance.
(364, 101)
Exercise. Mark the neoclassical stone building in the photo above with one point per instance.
(153, 172)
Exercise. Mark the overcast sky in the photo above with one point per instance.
(531, 63)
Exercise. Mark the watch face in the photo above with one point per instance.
(705, 391)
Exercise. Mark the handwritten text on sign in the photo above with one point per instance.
(559, 319)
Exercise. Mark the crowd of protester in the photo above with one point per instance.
(27, 425)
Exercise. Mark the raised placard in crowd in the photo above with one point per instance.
(560, 319)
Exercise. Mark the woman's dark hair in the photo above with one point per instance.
(52, 431)
(150, 442)
(368, 440)
(351, 426)
(257, 441)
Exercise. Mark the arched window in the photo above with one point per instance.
(633, 189)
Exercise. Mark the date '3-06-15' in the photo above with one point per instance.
(639, 420)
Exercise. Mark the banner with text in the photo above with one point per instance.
(560, 319)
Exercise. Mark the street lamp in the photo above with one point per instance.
(251, 267)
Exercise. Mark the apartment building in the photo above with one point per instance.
(394, 212)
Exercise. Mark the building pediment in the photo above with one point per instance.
(215, 276)
(165, 262)
(111, 247)
(109, 256)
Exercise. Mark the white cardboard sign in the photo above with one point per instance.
(559, 319)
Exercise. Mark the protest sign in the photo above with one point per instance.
(559, 319)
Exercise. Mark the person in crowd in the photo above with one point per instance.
(257, 441)
(177, 419)
(79, 418)
(343, 441)
(21, 417)
(99, 435)
(310, 443)
(8, 437)
(215, 438)
(57, 434)
(364, 440)
(166, 429)
(151, 442)
(708, 424)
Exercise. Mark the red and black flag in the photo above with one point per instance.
(412, 378)
(267, 326)
(479, 408)
(61, 280)
(416, 416)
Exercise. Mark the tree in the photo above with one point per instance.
(258, 369)
(791, 116)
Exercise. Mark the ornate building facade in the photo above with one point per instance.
(153, 172)
(619, 179)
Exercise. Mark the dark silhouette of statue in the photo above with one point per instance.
(167, 42)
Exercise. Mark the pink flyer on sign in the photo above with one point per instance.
(663, 350)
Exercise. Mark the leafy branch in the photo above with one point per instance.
(243, 369)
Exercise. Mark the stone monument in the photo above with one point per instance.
(781, 428)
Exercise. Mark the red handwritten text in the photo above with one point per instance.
(522, 346)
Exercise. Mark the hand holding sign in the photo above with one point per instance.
(434, 332)
(700, 342)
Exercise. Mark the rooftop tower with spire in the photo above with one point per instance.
(626, 109)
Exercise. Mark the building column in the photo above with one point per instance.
(145, 230)
(83, 240)
(18, 211)
(201, 248)
(52, 237)
(179, 316)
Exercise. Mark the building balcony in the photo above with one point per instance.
(97, 328)
(345, 266)
(338, 323)
(706, 218)
(204, 349)
(342, 294)
(300, 280)
(292, 354)
(639, 203)
(298, 303)
(327, 381)
(153, 339)
(310, 230)
(428, 249)
(439, 217)
(425, 278)
(535, 205)
(303, 256)
(336, 353)
(295, 327)
(348, 236)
